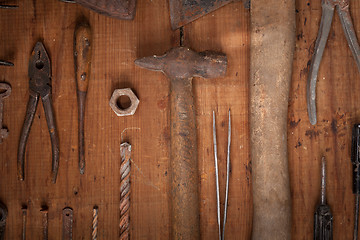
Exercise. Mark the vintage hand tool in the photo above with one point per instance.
(222, 233)
(24, 214)
(67, 223)
(45, 212)
(180, 65)
(3, 216)
(4, 93)
(355, 160)
(121, 9)
(328, 7)
(7, 6)
(95, 223)
(82, 60)
(125, 169)
(323, 217)
(271, 59)
(39, 86)
(183, 12)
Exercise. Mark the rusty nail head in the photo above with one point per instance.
(134, 102)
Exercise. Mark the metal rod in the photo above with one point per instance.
(24, 213)
(95, 222)
(323, 181)
(227, 176)
(216, 176)
(125, 152)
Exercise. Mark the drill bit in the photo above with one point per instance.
(24, 213)
(355, 160)
(125, 152)
(323, 217)
(95, 222)
(222, 233)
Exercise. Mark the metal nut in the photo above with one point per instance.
(133, 99)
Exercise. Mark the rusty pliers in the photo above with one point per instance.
(39, 86)
(328, 6)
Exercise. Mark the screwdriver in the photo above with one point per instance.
(323, 217)
(356, 174)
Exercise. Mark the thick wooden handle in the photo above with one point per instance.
(82, 55)
(271, 52)
(184, 166)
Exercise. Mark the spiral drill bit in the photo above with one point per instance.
(95, 222)
(125, 152)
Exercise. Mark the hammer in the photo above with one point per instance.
(180, 65)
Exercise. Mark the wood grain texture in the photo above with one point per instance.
(337, 103)
(116, 44)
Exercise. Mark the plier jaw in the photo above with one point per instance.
(40, 71)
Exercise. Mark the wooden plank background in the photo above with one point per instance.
(116, 44)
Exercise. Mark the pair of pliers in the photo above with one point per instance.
(328, 7)
(39, 86)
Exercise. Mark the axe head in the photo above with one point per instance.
(121, 9)
(185, 11)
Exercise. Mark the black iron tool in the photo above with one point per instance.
(355, 155)
(323, 218)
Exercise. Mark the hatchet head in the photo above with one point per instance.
(185, 11)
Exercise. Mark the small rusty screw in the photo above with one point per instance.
(133, 99)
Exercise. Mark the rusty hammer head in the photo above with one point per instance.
(182, 62)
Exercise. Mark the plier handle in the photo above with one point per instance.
(328, 7)
(40, 86)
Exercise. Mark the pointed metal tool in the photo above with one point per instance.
(328, 7)
(355, 160)
(222, 233)
(323, 218)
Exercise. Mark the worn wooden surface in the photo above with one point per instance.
(116, 44)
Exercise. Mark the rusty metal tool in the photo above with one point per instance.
(183, 12)
(323, 218)
(67, 215)
(45, 212)
(24, 214)
(271, 59)
(3, 216)
(180, 65)
(5, 91)
(8, 6)
(355, 160)
(125, 169)
(328, 7)
(82, 60)
(39, 86)
(222, 233)
(120, 9)
(95, 223)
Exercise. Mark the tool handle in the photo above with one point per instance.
(82, 60)
(323, 223)
(50, 119)
(183, 163)
(29, 117)
(271, 59)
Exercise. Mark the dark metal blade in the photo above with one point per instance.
(185, 11)
(121, 9)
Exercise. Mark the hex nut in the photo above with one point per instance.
(133, 99)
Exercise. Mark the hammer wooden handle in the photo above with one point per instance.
(82, 60)
(271, 54)
(184, 167)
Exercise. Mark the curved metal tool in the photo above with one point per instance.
(222, 233)
(328, 7)
(40, 86)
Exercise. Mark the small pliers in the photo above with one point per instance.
(39, 86)
(328, 6)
